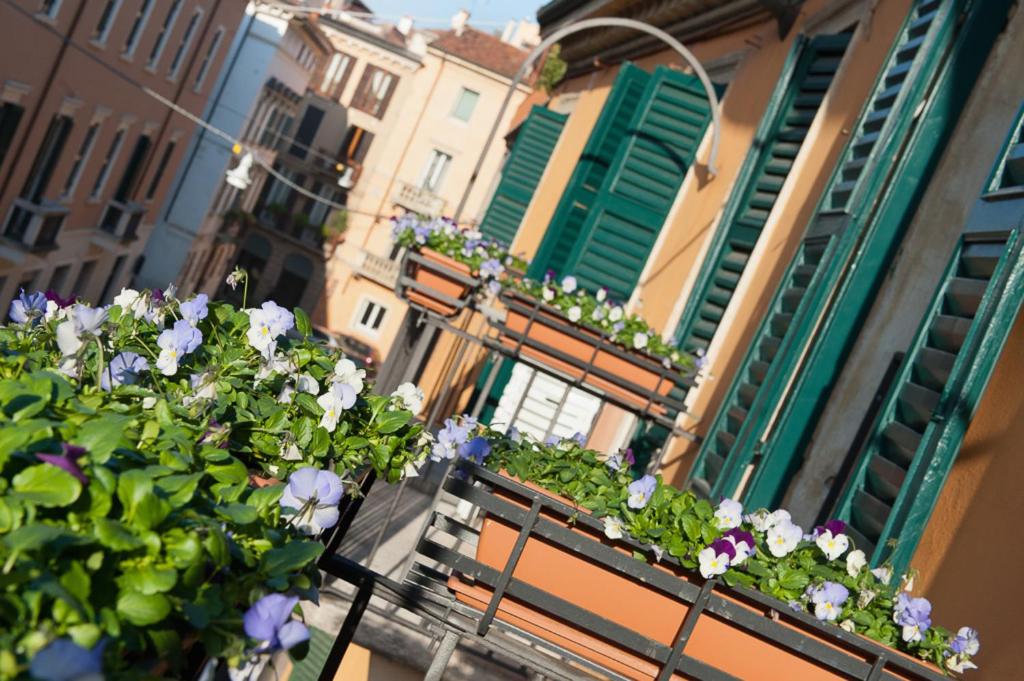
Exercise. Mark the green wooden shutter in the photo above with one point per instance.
(913, 444)
(610, 129)
(870, 199)
(522, 172)
(642, 183)
(806, 77)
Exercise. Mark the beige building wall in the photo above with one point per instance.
(418, 122)
(86, 259)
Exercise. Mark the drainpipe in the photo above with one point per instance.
(47, 84)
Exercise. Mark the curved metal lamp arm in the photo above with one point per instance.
(582, 26)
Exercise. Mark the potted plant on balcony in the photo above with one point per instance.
(591, 338)
(334, 228)
(778, 595)
(129, 527)
(446, 265)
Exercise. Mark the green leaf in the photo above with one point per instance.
(142, 609)
(391, 421)
(308, 404)
(76, 580)
(148, 579)
(691, 526)
(216, 544)
(85, 635)
(238, 513)
(102, 436)
(47, 485)
(302, 323)
(793, 580)
(286, 559)
(34, 536)
(115, 535)
(182, 548)
(150, 512)
(265, 497)
(132, 487)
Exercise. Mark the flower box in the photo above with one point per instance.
(542, 333)
(436, 282)
(645, 610)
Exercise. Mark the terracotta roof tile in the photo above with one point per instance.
(482, 49)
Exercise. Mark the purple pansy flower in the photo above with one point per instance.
(476, 449)
(175, 343)
(742, 541)
(68, 460)
(579, 438)
(269, 621)
(716, 558)
(311, 497)
(913, 614)
(494, 286)
(640, 491)
(27, 307)
(966, 642)
(629, 458)
(491, 268)
(124, 369)
(65, 660)
(828, 599)
(195, 310)
(58, 300)
(449, 438)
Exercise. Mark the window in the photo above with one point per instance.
(10, 116)
(138, 26)
(211, 54)
(465, 104)
(336, 74)
(374, 91)
(433, 174)
(357, 144)
(49, 8)
(370, 317)
(26, 283)
(82, 280)
(46, 159)
(58, 279)
(80, 160)
(112, 278)
(108, 162)
(186, 41)
(102, 29)
(307, 131)
(154, 184)
(165, 33)
(292, 281)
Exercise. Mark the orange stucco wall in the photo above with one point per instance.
(971, 558)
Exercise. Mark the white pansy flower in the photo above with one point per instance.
(832, 545)
(601, 294)
(712, 563)
(569, 284)
(346, 371)
(883, 574)
(640, 340)
(547, 294)
(848, 625)
(574, 313)
(613, 527)
(729, 514)
(855, 562)
(338, 398)
(783, 538)
(615, 314)
(410, 396)
(132, 303)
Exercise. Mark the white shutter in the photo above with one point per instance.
(538, 413)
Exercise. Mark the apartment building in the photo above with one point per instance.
(275, 97)
(851, 268)
(86, 155)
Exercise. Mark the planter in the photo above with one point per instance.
(436, 282)
(544, 334)
(740, 632)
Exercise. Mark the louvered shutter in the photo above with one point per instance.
(634, 200)
(609, 131)
(806, 78)
(914, 442)
(522, 172)
(921, 66)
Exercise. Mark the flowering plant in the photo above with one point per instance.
(275, 398)
(606, 316)
(129, 525)
(487, 258)
(821, 571)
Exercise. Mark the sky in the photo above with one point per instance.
(481, 11)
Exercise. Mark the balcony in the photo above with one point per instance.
(418, 200)
(377, 268)
(275, 218)
(122, 219)
(35, 226)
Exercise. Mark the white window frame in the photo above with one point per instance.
(82, 158)
(438, 172)
(101, 37)
(361, 310)
(185, 44)
(52, 13)
(113, 153)
(165, 33)
(462, 93)
(142, 16)
(211, 55)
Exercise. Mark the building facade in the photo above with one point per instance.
(849, 270)
(86, 155)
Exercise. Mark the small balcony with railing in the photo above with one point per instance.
(378, 268)
(417, 199)
(122, 219)
(34, 226)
